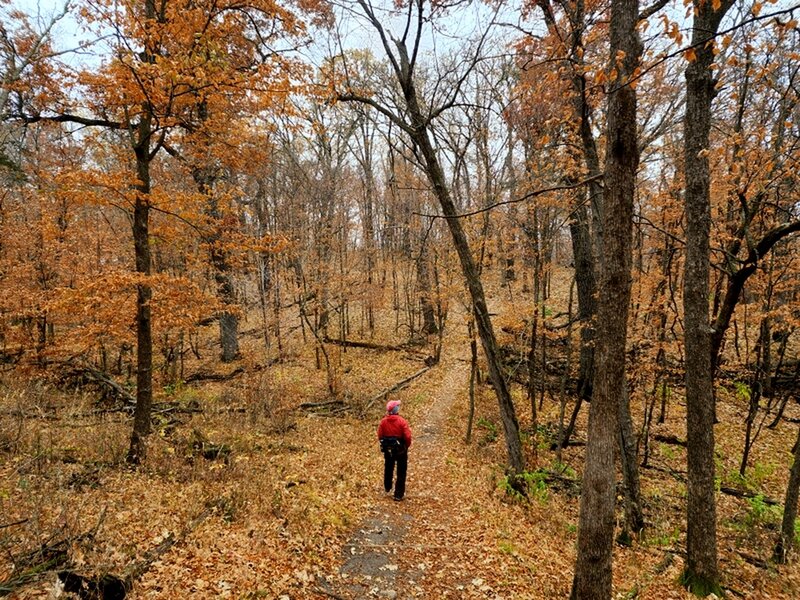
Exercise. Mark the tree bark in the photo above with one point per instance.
(596, 524)
(587, 288)
(701, 575)
(634, 519)
(562, 405)
(473, 372)
(204, 177)
(429, 326)
(144, 332)
(141, 242)
(786, 537)
(228, 321)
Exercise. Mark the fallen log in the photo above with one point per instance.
(226, 376)
(367, 345)
(214, 376)
(32, 567)
(669, 439)
(396, 387)
(52, 555)
(745, 494)
(21, 414)
(191, 407)
(678, 475)
(569, 485)
(754, 560)
(9, 357)
(86, 374)
(568, 444)
(113, 587)
(107, 587)
(13, 524)
(321, 405)
(329, 408)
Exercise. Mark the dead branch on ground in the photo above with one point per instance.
(396, 387)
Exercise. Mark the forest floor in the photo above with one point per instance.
(293, 508)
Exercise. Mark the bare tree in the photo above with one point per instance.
(415, 117)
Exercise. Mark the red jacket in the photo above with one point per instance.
(395, 426)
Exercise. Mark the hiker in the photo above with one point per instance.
(394, 435)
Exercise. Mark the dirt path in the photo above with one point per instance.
(376, 561)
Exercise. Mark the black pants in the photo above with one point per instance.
(388, 473)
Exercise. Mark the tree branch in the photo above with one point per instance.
(68, 118)
(527, 196)
(772, 237)
(653, 9)
(379, 107)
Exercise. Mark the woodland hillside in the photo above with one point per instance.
(564, 234)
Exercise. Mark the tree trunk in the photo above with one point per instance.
(141, 242)
(596, 524)
(229, 334)
(786, 537)
(482, 319)
(584, 274)
(634, 519)
(368, 218)
(532, 368)
(765, 364)
(562, 405)
(424, 286)
(473, 372)
(435, 174)
(756, 393)
(701, 575)
(532, 231)
(144, 334)
(263, 293)
(571, 426)
(228, 321)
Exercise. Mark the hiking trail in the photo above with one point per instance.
(381, 558)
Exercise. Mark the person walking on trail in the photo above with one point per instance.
(394, 435)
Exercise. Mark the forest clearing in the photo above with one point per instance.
(559, 238)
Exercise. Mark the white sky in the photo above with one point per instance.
(463, 22)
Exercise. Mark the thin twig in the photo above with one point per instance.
(20, 522)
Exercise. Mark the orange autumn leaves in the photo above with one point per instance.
(204, 75)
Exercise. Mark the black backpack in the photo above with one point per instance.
(393, 446)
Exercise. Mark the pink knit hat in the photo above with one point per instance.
(393, 407)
